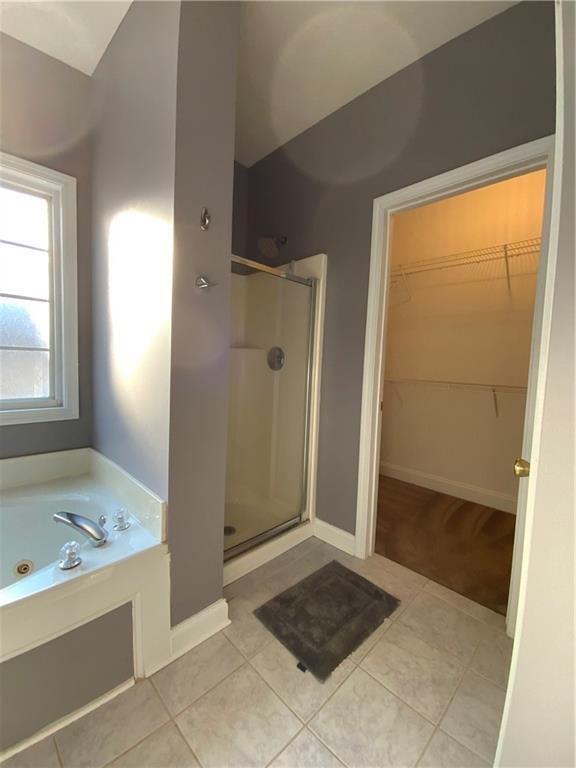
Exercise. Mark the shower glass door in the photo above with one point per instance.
(268, 406)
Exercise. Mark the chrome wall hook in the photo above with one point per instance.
(205, 219)
(202, 282)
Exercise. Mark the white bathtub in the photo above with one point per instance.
(133, 565)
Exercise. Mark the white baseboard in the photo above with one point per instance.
(335, 536)
(503, 501)
(57, 725)
(245, 564)
(197, 628)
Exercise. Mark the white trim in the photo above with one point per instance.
(536, 154)
(489, 498)
(61, 189)
(244, 564)
(193, 631)
(335, 536)
(58, 725)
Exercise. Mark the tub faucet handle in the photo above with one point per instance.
(121, 522)
(70, 555)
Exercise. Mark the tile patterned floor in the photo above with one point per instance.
(426, 689)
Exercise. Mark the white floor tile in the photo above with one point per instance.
(466, 605)
(366, 725)
(306, 752)
(420, 674)
(107, 732)
(239, 724)
(303, 693)
(444, 752)
(165, 748)
(493, 656)
(194, 673)
(474, 715)
(440, 624)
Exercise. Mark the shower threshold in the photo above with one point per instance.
(254, 541)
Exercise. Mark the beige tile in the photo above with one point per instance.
(107, 732)
(362, 651)
(493, 655)
(466, 605)
(396, 584)
(473, 717)
(240, 723)
(439, 623)
(444, 752)
(246, 632)
(303, 693)
(40, 755)
(194, 673)
(165, 748)
(420, 674)
(366, 725)
(416, 580)
(306, 752)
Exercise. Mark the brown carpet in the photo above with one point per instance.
(464, 546)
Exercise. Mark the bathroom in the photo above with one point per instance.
(200, 326)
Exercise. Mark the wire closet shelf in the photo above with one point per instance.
(506, 252)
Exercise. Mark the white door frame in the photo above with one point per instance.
(531, 156)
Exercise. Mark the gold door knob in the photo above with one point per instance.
(521, 468)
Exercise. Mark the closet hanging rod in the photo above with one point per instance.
(492, 253)
(459, 384)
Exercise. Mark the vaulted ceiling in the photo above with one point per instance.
(299, 61)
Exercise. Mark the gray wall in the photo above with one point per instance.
(200, 319)
(134, 156)
(46, 111)
(52, 680)
(488, 90)
(538, 724)
(240, 210)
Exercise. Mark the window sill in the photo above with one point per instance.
(38, 415)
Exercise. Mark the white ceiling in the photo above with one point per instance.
(76, 33)
(299, 61)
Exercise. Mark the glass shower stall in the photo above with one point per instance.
(272, 314)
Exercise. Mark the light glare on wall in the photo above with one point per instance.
(140, 284)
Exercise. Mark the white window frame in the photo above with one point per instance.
(61, 190)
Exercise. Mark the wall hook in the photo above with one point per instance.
(202, 282)
(205, 219)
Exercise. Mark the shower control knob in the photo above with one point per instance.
(70, 556)
(121, 522)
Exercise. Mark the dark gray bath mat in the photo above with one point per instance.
(326, 616)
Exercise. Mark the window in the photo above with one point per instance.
(38, 305)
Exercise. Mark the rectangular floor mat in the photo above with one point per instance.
(326, 616)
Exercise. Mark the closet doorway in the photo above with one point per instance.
(461, 295)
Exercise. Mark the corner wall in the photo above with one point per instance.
(134, 161)
(486, 91)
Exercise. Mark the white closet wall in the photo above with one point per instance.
(458, 340)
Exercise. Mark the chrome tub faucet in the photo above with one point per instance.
(96, 534)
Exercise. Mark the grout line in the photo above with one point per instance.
(277, 754)
(58, 755)
(136, 743)
(206, 692)
(181, 732)
(421, 755)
